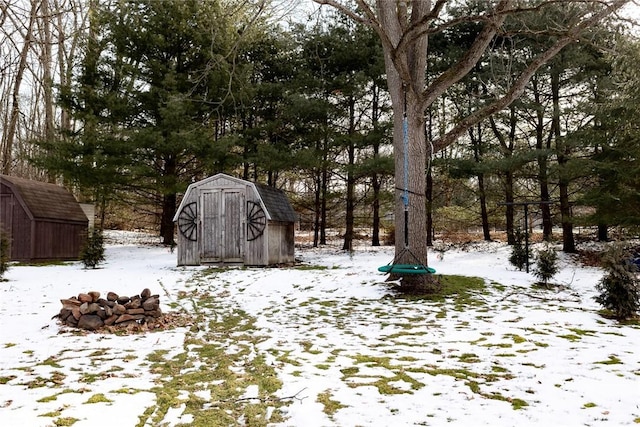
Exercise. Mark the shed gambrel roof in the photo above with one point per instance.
(45, 201)
(277, 203)
(274, 201)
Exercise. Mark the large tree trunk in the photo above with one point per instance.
(507, 143)
(317, 207)
(562, 151)
(543, 175)
(324, 193)
(351, 181)
(376, 178)
(350, 205)
(409, 141)
(169, 201)
(477, 141)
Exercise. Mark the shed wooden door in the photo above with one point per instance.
(222, 226)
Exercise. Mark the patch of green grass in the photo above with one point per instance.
(66, 421)
(98, 398)
(323, 366)
(570, 337)
(307, 267)
(533, 365)
(126, 390)
(4, 380)
(350, 371)
(613, 360)
(50, 361)
(498, 345)
(518, 404)
(465, 291)
(330, 406)
(469, 358)
(42, 263)
(516, 338)
(51, 414)
(48, 399)
(10, 344)
(583, 332)
(589, 405)
(284, 358)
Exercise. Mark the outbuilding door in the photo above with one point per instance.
(223, 219)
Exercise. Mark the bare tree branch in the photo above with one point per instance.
(520, 83)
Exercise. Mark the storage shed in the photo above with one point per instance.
(223, 219)
(43, 221)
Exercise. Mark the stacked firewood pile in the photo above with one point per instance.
(89, 311)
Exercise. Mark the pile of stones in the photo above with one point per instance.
(89, 311)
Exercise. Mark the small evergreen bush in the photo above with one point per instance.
(546, 264)
(4, 253)
(93, 252)
(518, 257)
(620, 287)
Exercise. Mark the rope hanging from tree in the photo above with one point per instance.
(394, 267)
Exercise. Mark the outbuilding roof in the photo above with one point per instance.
(44, 200)
(277, 203)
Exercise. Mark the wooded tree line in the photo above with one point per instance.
(127, 102)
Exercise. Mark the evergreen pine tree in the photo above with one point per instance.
(93, 252)
(620, 287)
(519, 256)
(547, 265)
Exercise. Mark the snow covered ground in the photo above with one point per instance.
(345, 353)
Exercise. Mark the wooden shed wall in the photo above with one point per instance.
(17, 225)
(281, 242)
(58, 240)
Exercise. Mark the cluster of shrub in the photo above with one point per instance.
(619, 288)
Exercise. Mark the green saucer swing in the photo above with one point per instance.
(406, 269)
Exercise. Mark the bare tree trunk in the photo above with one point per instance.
(7, 155)
(47, 79)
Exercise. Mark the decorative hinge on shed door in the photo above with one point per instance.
(256, 220)
(188, 221)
